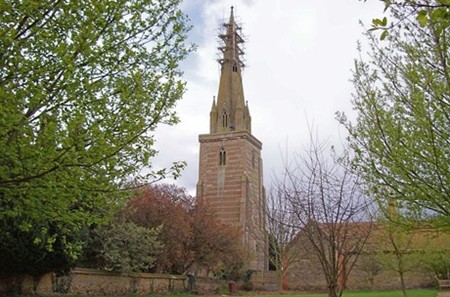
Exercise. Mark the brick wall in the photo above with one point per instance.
(91, 281)
(233, 187)
(386, 279)
(307, 275)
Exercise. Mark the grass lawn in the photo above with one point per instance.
(411, 293)
(397, 293)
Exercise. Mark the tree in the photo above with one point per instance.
(399, 250)
(214, 243)
(197, 240)
(83, 84)
(166, 206)
(123, 247)
(438, 262)
(328, 201)
(370, 266)
(426, 12)
(401, 136)
(282, 228)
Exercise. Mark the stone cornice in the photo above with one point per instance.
(204, 138)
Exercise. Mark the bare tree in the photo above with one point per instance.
(281, 230)
(327, 200)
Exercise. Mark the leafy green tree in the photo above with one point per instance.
(436, 12)
(82, 86)
(400, 251)
(370, 267)
(401, 136)
(438, 262)
(123, 247)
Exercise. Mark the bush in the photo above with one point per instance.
(122, 247)
(439, 264)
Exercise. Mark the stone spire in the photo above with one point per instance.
(231, 112)
(230, 165)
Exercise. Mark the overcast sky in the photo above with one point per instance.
(299, 55)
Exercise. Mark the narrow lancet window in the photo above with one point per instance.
(234, 67)
(222, 157)
(224, 119)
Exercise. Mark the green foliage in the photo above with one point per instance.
(167, 206)
(370, 266)
(401, 137)
(439, 263)
(197, 239)
(123, 247)
(427, 12)
(82, 86)
(399, 250)
(45, 248)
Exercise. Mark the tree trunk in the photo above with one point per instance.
(280, 281)
(36, 280)
(332, 290)
(401, 272)
(371, 281)
(285, 280)
(402, 282)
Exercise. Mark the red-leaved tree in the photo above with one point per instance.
(193, 238)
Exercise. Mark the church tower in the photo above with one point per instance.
(230, 169)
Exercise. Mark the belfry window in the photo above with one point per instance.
(222, 157)
(224, 119)
(234, 67)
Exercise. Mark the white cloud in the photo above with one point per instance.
(299, 54)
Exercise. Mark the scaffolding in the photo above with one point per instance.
(231, 42)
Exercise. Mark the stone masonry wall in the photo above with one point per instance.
(91, 281)
(307, 275)
(230, 181)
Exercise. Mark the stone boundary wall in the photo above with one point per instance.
(265, 280)
(308, 277)
(207, 286)
(91, 282)
(94, 282)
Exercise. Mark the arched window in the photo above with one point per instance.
(234, 67)
(222, 157)
(224, 119)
